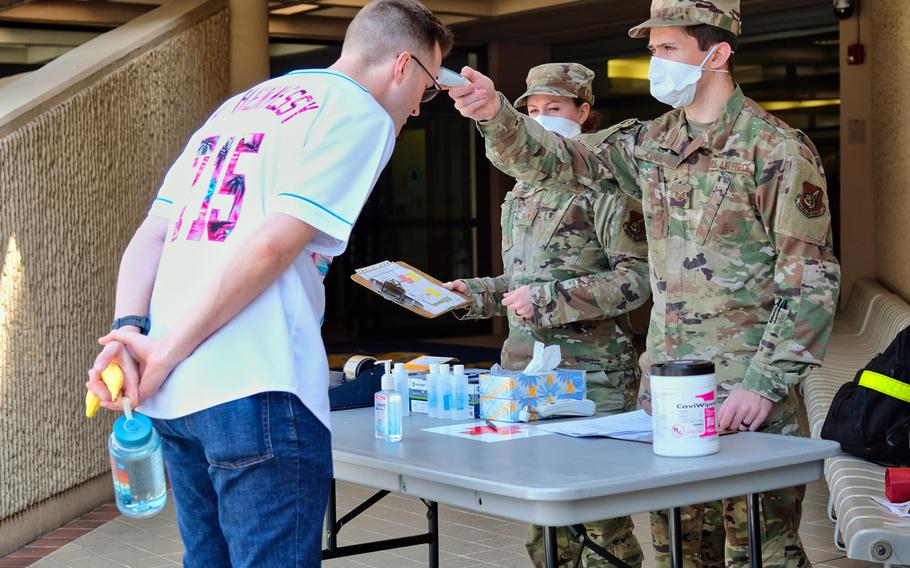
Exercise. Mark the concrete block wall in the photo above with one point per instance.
(890, 132)
(77, 176)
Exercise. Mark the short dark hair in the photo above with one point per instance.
(709, 36)
(385, 28)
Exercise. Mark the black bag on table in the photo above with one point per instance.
(870, 416)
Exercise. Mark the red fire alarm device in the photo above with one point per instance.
(856, 54)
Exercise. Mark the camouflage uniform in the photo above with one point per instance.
(742, 270)
(583, 255)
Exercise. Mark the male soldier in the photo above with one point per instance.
(574, 266)
(739, 232)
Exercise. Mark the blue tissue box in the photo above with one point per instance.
(503, 394)
(517, 385)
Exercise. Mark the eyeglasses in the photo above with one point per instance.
(429, 92)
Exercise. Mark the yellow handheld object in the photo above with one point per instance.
(112, 377)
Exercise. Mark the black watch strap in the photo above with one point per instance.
(142, 322)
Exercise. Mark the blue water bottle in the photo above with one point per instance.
(137, 465)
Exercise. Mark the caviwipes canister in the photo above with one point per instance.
(683, 395)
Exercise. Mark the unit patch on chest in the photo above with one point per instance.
(635, 226)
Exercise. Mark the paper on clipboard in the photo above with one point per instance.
(409, 288)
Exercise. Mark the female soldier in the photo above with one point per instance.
(575, 265)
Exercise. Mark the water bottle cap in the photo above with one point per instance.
(133, 433)
(458, 369)
(399, 368)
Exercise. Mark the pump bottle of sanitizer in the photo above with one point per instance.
(387, 408)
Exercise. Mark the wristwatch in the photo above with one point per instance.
(142, 322)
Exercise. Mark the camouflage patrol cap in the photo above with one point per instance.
(559, 79)
(724, 14)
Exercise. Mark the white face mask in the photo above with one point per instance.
(673, 83)
(563, 126)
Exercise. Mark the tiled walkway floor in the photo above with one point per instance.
(467, 539)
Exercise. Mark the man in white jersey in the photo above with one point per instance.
(225, 276)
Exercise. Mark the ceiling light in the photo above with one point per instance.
(788, 105)
(291, 10)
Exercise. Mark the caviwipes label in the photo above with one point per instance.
(697, 404)
(692, 419)
(684, 415)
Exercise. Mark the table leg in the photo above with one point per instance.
(675, 537)
(334, 526)
(550, 550)
(580, 533)
(433, 528)
(331, 537)
(752, 513)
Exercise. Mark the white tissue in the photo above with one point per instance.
(901, 510)
(544, 359)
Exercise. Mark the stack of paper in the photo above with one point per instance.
(633, 426)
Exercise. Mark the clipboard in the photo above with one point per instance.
(410, 288)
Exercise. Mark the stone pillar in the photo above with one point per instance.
(857, 211)
(249, 31)
(890, 67)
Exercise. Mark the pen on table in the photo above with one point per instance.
(491, 426)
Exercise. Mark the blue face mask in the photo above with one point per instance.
(673, 83)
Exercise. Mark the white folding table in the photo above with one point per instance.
(557, 480)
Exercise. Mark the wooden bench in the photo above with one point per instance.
(871, 319)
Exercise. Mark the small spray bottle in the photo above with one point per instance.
(462, 409)
(387, 408)
(433, 391)
(401, 385)
(444, 392)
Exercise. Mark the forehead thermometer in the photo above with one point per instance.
(449, 78)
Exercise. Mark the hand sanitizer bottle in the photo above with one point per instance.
(432, 399)
(387, 408)
(401, 385)
(445, 392)
(460, 388)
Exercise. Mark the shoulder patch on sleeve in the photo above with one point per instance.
(811, 200)
(802, 203)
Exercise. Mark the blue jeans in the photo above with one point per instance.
(251, 480)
